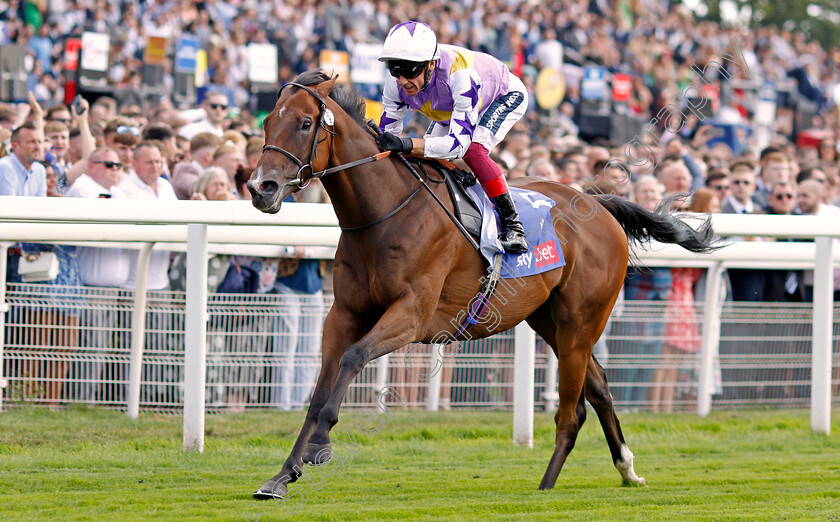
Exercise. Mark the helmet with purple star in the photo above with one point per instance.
(407, 49)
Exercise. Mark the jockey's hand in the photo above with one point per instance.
(392, 142)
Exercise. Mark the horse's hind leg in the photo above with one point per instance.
(598, 394)
(570, 412)
(573, 358)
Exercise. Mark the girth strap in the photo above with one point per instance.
(488, 290)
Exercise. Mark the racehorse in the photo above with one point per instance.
(403, 270)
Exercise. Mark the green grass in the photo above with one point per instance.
(90, 464)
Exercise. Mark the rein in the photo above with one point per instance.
(326, 117)
(321, 124)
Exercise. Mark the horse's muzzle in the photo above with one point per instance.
(265, 195)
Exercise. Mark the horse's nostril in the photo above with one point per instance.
(269, 187)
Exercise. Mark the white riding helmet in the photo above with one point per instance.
(411, 41)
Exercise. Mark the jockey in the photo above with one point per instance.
(473, 100)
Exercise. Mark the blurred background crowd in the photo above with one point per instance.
(639, 97)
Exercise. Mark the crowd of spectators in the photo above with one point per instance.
(149, 148)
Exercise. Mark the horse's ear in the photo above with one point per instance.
(325, 88)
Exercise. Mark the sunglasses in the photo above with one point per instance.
(65, 121)
(122, 129)
(720, 187)
(784, 196)
(741, 182)
(406, 69)
(109, 164)
(218, 106)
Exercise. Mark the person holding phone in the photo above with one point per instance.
(99, 268)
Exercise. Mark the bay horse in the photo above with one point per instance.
(402, 279)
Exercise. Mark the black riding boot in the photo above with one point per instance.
(513, 235)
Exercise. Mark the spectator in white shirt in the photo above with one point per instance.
(146, 183)
(822, 186)
(99, 267)
(215, 107)
(809, 196)
(549, 52)
(106, 267)
(164, 134)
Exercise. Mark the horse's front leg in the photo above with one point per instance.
(340, 330)
(396, 328)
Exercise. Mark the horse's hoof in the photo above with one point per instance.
(272, 489)
(633, 483)
(317, 454)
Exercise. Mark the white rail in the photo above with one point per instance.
(236, 227)
(195, 355)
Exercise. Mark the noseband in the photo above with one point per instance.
(320, 124)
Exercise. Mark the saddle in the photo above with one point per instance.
(466, 211)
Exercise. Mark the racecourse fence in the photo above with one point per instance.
(749, 373)
(77, 341)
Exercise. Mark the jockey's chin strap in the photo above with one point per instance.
(300, 181)
(427, 75)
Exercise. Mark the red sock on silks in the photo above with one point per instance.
(487, 171)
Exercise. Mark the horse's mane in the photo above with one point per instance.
(346, 98)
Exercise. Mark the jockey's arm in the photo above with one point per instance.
(465, 86)
(393, 110)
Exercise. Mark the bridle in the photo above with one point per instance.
(299, 180)
(301, 183)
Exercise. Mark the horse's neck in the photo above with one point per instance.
(365, 193)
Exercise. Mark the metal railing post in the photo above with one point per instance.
(523, 385)
(195, 356)
(436, 361)
(138, 331)
(821, 348)
(381, 378)
(710, 339)
(551, 396)
(4, 307)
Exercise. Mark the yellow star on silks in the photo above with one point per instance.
(434, 113)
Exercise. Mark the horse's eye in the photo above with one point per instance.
(306, 125)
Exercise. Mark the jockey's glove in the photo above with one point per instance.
(392, 142)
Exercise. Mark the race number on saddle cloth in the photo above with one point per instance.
(544, 252)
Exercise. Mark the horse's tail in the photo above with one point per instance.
(642, 225)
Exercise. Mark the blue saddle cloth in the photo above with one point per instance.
(544, 247)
